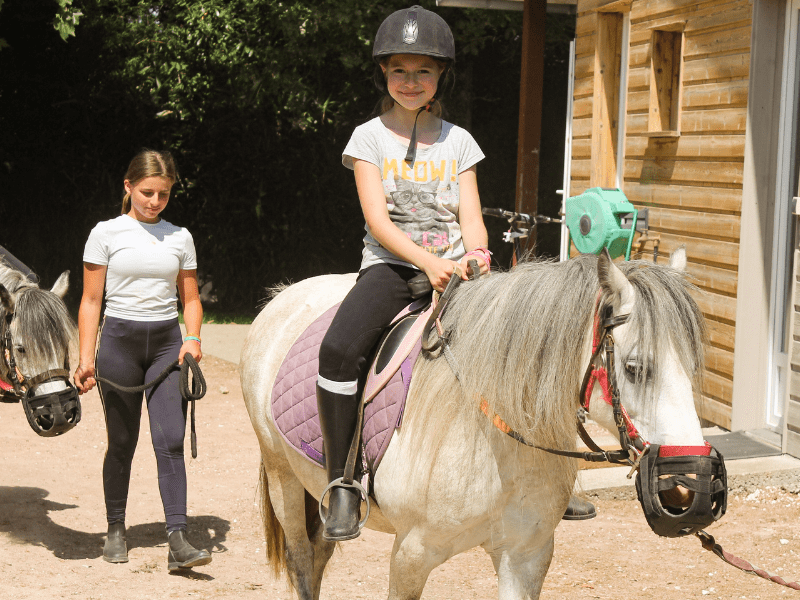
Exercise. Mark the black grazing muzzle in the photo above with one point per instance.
(658, 473)
(51, 414)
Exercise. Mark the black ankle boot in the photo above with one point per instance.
(338, 415)
(579, 510)
(115, 549)
(182, 555)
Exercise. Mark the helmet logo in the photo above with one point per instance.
(410, 29)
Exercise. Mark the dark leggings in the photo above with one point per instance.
(381, 292)
(131, 353)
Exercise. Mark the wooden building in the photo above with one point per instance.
(691, 108)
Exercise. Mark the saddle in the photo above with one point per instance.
(294, 404)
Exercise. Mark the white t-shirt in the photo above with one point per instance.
(422, 198)
(143, 261)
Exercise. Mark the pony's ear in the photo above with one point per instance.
(613, 281)
(61, 285)
(678, 259)
(6, 301)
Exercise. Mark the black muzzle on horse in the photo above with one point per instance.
(55, 413)
(664, 468)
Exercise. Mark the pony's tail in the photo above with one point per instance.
(273, 530)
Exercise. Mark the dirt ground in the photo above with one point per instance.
(52, 528)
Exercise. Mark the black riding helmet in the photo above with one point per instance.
(415, 30)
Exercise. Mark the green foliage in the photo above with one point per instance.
(256, 98)
(66, 19)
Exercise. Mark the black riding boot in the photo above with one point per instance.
(579, 509)
(115, 549)
(182, 555)
(338, 415)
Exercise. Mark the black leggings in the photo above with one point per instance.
(381, 292)
(131, 353)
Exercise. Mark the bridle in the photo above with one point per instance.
(48, 414)
(602, 370)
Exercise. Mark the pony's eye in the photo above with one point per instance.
(636, 371)
(20, 349)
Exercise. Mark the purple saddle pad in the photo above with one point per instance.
(294, 399)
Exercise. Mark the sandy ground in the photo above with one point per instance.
(52, 528)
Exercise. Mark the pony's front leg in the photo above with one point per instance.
(520, 574)
(306, 552)
(412, 562)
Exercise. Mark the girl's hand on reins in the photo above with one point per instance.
(192, 347)
(84, 378)
(466, 270)
(439, 272)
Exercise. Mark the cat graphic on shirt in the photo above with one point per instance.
(415, 213)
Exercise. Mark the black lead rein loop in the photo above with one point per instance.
(197, 391)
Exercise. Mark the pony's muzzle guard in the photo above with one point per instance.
(709, 482)
(52, 414)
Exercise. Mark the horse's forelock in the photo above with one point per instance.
(665, 315)
(42, 318)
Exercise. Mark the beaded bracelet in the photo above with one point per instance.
(484, 254)
(193, 338)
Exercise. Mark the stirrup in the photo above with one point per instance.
(354, 486)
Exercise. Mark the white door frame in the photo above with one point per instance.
(756, 368)
(782, 250)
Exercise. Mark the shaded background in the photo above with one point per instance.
(256, 99)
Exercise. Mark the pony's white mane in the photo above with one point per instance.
(518, 338)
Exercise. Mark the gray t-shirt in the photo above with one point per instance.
(143, 261)
(422, 199)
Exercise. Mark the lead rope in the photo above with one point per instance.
(710, 544)
(197, 391)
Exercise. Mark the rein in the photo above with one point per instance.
(600, 369)
(196, 392)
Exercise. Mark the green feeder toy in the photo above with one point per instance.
(601, 218)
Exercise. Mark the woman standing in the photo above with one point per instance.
(141, 259)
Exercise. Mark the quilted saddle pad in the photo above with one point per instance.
(294, 399)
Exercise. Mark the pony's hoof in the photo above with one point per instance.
(579, 510)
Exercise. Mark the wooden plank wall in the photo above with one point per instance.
(692, 182)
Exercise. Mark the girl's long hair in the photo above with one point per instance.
(148, 163)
